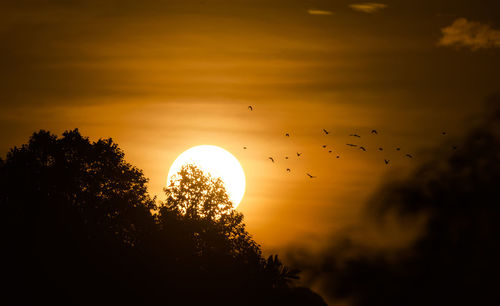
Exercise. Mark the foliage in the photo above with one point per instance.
(80, 228)
(278, 274)
(202, 203)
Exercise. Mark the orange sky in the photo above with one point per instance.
(162, 76)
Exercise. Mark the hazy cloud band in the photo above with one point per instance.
(368, 7)
(472, 34)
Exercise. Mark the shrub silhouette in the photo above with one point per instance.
(79, 228)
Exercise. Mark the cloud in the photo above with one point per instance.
(368, 7)
(472, 34)
(319, 12)
(455, 252)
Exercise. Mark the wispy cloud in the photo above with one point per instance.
(368, 7)
(319, 12)
(472, 34)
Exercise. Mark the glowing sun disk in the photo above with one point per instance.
(218, 163)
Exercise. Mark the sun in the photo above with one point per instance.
(219, 163)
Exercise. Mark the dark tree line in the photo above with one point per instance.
(79, 228)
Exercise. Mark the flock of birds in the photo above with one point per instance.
(362, 148)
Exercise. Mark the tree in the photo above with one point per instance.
(73, 209)
(279, 275)
(199, 214)
(80, 228)
(202, 204)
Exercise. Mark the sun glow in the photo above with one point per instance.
(218, 163)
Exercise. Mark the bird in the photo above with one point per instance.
(250, 107)
(330, 151)
(287, 135)
(272, 159)
(374, 132)
(338, 156)
(354, 135)
(397, 149)
(326, 132)
(286, 157)
(310, 176)
(288, 169)
(362, 148)
(324, 146)
(443, 133)
(298, 154)
(454, 147)
(244, 148)
(409, 156)
(351, 145)
(386, 161)
(380, 149)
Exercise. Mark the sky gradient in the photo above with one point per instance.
(160, 77)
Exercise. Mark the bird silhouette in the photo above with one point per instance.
(298, 154)
(409, 156)
(354, 135)
(272, 159)
(397, 149)
(380, 149)
(288, 169)
(338, 156)
(443, 133)
(330, 151)
(351, 145)
(250, 107)
(286, 157)
(326, 132)
(374, 132)
(324, 146)
(454, 147)
(386, 161)
(362, 148)
(244, 148)
(310, 176)
(287, 135)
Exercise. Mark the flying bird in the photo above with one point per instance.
(443, 133)
(351, 145)
(354, 135)
(362, 148)
(310, 176)
(244, 148)
(330, 151)
(250, 107)
(380, 149)
(374, 132)
(272, 159)
(454, 147)
(409, 156)
(397, 149)
(326, 132)
(298, 154)
(287, 135)
(338, 156)
(288, 169)
(386, 161)
(286, 157)
(324, 146)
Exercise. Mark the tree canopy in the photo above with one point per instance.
(80, 228)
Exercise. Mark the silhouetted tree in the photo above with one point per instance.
(72, 209)
(202, 204)
(79, 228)
(278, 274)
